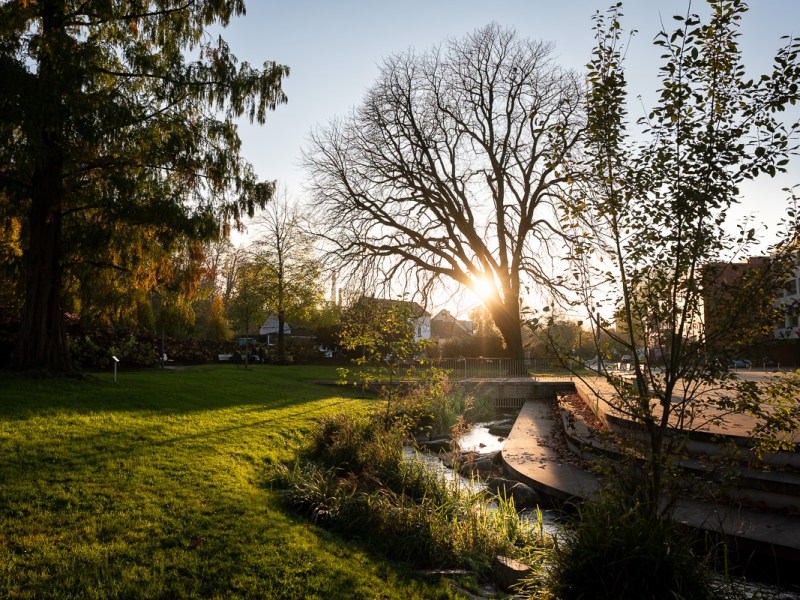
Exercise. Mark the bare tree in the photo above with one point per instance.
(246, 307)
(290, 269)
(452, 167)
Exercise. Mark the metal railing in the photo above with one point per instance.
(540, 369)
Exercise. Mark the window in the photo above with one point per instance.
(791, 287)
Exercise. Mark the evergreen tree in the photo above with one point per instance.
(118, 118)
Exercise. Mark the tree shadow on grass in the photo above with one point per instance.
(165, 392)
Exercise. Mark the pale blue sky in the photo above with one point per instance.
(334, 50)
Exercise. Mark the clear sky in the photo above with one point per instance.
(334, 50)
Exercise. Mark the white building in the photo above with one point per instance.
(445, 326)
(422, 322)
(270, 327)
(421, 318)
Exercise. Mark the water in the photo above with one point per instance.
(435, 464)
(479, 440)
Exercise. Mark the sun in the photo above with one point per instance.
(482, 286)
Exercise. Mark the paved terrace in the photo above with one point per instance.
(529, 454)
(709, 420)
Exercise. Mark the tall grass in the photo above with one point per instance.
(433, 405)
(354, 478)
(615, 548)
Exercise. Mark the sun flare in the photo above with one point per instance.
(482, 286)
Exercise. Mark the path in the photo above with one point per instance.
(529, 455)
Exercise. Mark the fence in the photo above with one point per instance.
(538, 369)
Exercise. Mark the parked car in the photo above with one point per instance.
(740, 363)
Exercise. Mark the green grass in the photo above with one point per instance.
(354, 478)
(153, 487)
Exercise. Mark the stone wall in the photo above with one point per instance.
(512, 394)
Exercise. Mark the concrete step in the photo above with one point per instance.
(528, 456)
(737, 483)
(712, 440)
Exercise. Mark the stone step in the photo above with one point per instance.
(777, 490)
(528, 457)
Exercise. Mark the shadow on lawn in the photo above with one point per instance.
(166, 392)
(112, 444)
(93, 424)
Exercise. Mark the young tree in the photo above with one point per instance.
(290, 270)
(486, 339)
(451, 168)
(325, 323)
(656, 209)
(228, 270)
(218, 275)
(10, 260)
(217, 328)
(560, 337)
(246, 307)
(381, 333)
(178, 286)
(119, 115)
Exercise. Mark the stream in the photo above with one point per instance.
(479, 440)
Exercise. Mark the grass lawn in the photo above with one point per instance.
(154, 487)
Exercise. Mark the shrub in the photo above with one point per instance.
(434, 406)
(615, 548)
(135, 353)
(340, 440)
(88, 354)
(474, 346)
(302, 352)
(317, 493)
(412, 515)
(96, 351)
(92, 349)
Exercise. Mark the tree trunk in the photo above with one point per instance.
(281, 337)
(516, 349)
(507, 318)
(42, 342)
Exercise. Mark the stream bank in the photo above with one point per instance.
(482, 444)
(475, 464)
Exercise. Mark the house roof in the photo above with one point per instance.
(417, 311)
(445, 325)
(270, 325)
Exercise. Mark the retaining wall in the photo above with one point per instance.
(514, 393)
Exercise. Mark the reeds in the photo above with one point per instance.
(614, 548)
(355, 479)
